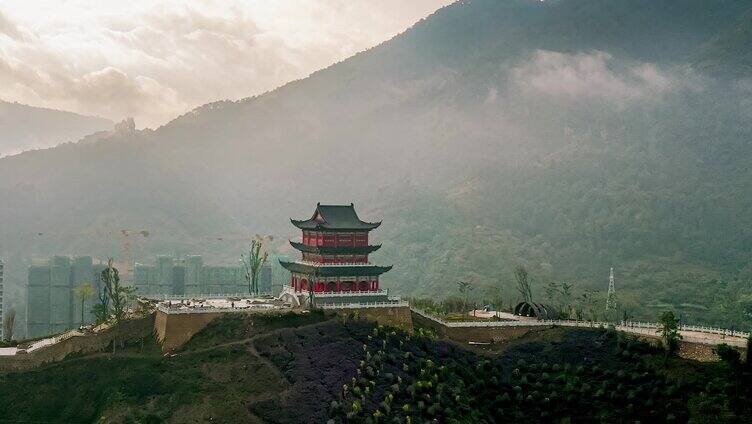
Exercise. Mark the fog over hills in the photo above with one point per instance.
(25, 127)
(567, 135)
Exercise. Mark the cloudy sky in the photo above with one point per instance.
(154, 60)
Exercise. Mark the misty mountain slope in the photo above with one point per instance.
(26, 127)
(729, 51)
(84, 194)
(568, 135)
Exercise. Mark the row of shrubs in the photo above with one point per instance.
(416, 379)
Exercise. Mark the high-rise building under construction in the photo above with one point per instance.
(191, 276)
(52, 307)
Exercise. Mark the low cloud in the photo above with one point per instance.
(8, 28)
(596, 76)
(157, 59)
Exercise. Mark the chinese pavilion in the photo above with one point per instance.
(335, 253)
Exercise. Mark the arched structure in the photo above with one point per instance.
(536, 310)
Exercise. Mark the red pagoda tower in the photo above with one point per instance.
(335, 253)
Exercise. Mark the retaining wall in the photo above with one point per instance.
(395, 316)
(694, 350)
(83, 344)
(476, 334)
(173, 330)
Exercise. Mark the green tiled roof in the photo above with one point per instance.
(334, 271)
(335, 217)
(355, 250)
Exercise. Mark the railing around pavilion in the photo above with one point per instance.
(333, 264)
(161, 297)
(210, 309)
(342, 293)
(357, 305)
(351, 293)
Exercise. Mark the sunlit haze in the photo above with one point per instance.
(154, 60)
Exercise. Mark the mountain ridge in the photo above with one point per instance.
(570, 136)
(28, 127)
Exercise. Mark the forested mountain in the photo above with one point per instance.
(26, 127)
(568, 135)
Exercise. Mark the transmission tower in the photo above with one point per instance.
(611, 299)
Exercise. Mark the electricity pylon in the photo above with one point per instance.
(611, 299)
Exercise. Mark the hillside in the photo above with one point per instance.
(26, 127)
(726, 53)
(312, 369)
(569, 135)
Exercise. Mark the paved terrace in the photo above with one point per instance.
(694, 334)
(225, 304)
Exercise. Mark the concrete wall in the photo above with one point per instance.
(688, 350)
(173, 330)
(399, 316)
(476, 334)
(694, 351)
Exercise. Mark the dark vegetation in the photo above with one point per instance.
(573, 376)
(313, 368)
(315, 362)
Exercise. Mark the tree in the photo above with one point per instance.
(101, 310)
(625, 316)
(497, 299)
(119, 295)
(728, 355)
(566, 298)
(560, 296)
(553, 293)
(82, 292)
(465, 289)
(253, 263)
(588, 302)
(522, 278)
(669, 332)
(9, 323)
